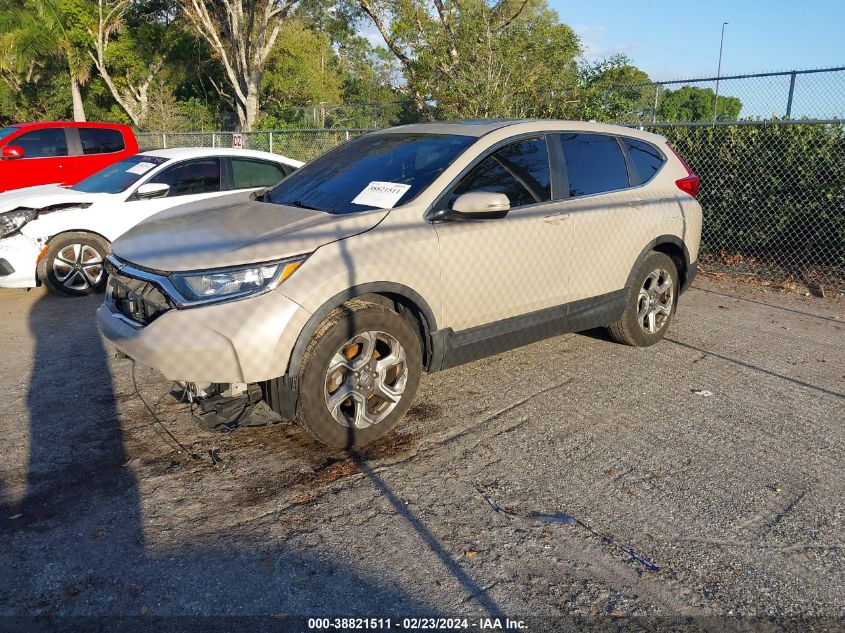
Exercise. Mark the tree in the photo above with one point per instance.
(611, 89)
(241, 33)
(48, 30)
(476, 59)
(301, 71)
(690, 103)
(129, 41)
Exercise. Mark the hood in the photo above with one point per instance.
(215, 234)
(43, 197)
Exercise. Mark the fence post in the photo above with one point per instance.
(347, 135)
(163, 140)
(791, 92)
(271, 141)
(214, 139)
(656, 95)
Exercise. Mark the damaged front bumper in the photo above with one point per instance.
(245, 341)
(18, 262)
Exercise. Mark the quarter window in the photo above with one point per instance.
(44, 143)
(647, 159)
(191, 177)
(255, 173)
(99, 141)
(520, 171)
(594, 164)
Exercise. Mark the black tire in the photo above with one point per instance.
(81, 278)
(628, 329)
(342, 325)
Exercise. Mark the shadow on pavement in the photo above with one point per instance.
(76, 546)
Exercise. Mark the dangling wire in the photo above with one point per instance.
(182, 447)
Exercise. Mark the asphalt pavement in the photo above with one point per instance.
(699, 477)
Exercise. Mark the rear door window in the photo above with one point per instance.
(520, 171)
(191, 177)
(255, 173)
(44, 143)
(646, 158)
(594, 164)
(100, 141)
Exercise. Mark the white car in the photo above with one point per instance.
(60, 235)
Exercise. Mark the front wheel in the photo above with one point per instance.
(359, 375)
(74, 264)
(650, 303)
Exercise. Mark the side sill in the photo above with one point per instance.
(451, 348)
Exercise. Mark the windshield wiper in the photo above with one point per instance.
(300, 204)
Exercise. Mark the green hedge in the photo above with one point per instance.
(772, 191)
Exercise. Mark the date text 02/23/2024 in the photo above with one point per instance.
(416, 624)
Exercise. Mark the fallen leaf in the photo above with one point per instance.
(702, 392)
(471, 553)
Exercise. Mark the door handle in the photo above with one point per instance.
(557, 218)
(637, 203)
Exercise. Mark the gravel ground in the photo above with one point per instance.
(700, 477)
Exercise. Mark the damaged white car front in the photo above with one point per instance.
(23, 244)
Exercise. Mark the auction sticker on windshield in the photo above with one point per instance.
(140, 168)
(383, 195)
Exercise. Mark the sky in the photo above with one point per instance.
(676, 40)
(680, 40)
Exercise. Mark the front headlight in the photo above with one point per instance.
(233, 283)
(12, 221)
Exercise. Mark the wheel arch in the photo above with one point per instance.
(398, 297)
(670, 245)
(67, 231)
(282, 393)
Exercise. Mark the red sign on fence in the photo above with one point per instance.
(238, 141)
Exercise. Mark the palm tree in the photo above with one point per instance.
(40, 32)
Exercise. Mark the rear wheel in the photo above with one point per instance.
(359, 375)
(650, 304)
(74, 264)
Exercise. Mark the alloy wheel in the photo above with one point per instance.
(78, 267)
(366, 379)
(654, 305)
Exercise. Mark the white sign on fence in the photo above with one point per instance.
(238, 141)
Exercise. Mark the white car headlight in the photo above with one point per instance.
(12, 221)
(233, 283)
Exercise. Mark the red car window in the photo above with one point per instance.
(43, 143)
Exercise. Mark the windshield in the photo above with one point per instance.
(119, 176)
(8, 131)
(375, 171)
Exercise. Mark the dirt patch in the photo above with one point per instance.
(424, 411)
(305, 484)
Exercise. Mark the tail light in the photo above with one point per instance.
(689, 183)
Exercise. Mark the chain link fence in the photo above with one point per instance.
(773, 189)
(794, 94)
(302, 145)
(773, 196)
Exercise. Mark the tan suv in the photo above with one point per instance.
(411, 249)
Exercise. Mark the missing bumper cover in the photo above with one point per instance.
(223, 411)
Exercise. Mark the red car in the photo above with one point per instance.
(60, 152)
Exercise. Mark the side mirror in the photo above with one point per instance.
(151, 190)
(477, 205)
(12, 151)
(259, 195)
